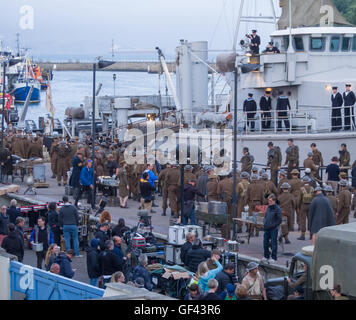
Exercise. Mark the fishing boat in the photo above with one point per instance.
(24, 83)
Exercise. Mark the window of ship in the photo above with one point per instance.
(335, 44)
(285, 43)
(345, 44)
(317, 44)
(354, 44)
(298, 44)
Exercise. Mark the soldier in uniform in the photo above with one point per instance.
(254, 196)
(54, 157)
(349, 102)
(250, 109)
(333, 200)
(318, 159)
(202, 183)
(212, 187)
(274, 161)
(336, 105)
(344, 203)
(292, 159)
(309, 163)
(344, 159)
(124, 188)
(188, 174)
(287, 204)
(172, 181)
(63, 151)
(268, 188)
(225, 189)
(246, 161)
(133, 176)
(16, 145)
(306, 197)
(283, 105)
(35, 148)
(266, 108)
(282, 179)
(25, 147)
(255, 42)
(161, 181)
(296, 184)
(308, 174)
(6, 164)
(241, 190)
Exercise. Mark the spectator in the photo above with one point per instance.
(77, 165)
(253, 282)
(146, 190)
(336, 293)
(225, 277)
(189, 194)
(53, 222)
(321, 214)
(118, 277)
(4, 222)
(12, 244)
(190, 237)
(108, 262)
(229, 292)
(102, 235)
(87, 184)
(51, 255)
(139, 283)
(13, 212)
(69, 221)
(272, 220)
(41, 233)
(105, 217)
(333, 172)
(118, 250)
(120, 228)
(64, 260)
(241, 292)
(211, 295)
(298, 294)
(196, 255)
(20, 222)
(152, 178)
(141, 272)
(93, 262)
(204, 274)
(194, 292)
(55, 268)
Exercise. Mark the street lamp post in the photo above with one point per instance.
(234, 194)
(3, 113)
(114, 78)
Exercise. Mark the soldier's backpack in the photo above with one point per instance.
(307, 197)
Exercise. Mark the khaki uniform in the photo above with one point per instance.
(162, 181)
(188, 176)
(247, 163)
(123, 183)
(172, 181)
(281, 181)
(241, 191)
(344, 160)
(133, 176)
(54, 156)
(296, 185)
(333, 202)
(344, 207)
(212, 187)
(274, 160)
(268, 189)
(62, 165)
(287, 204)
(292, 159)
(254, 197)
(35, 149)
(306, 196)
(225, 190)
(74, 150)
(309, 163)
(318, 161)
(16, 146)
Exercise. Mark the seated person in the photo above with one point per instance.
(271, 49)
(298, 294)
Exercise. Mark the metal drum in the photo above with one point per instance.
(202, 206)
(219, 242)
(216, 207)
(233, 246)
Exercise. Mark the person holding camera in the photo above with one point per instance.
(255, 42)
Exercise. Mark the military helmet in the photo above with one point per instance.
(244, 175)
(285, 185)
(328, 189)
(283, 173)
(307, 170)
(188, 167)
(262, 171)
(318, 189)
(295, 171)
(306, 179)
(343, 183)
(310, 154)
(254, 169)
(254, 177)
(265, 176)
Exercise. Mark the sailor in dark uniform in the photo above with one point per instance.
(349, 102)
(283, 105)
(271, 49)
(250, 109)
(255, 42)
(266, 107)
(336, 104)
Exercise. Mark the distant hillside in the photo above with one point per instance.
(348, 9)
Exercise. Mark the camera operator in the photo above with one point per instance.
(255, 42)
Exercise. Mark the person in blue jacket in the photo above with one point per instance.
(87, 183)
(77, 164)
(64, 260)
(141, 272)
(204, 274)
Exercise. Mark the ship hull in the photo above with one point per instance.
(22, 90)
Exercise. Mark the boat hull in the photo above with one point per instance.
(21, 93)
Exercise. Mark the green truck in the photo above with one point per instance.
(330, 262)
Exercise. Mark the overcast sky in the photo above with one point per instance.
(88, 26)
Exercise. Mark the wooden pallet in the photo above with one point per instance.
(41, 185)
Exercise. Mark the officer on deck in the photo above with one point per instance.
(271, 49)
(283, 105)
(255, 42)
(250, 109)
(349, 102)
(336, 105)
(266, 107)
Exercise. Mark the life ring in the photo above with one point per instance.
(9, 101)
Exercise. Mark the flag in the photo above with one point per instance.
(49, 101)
